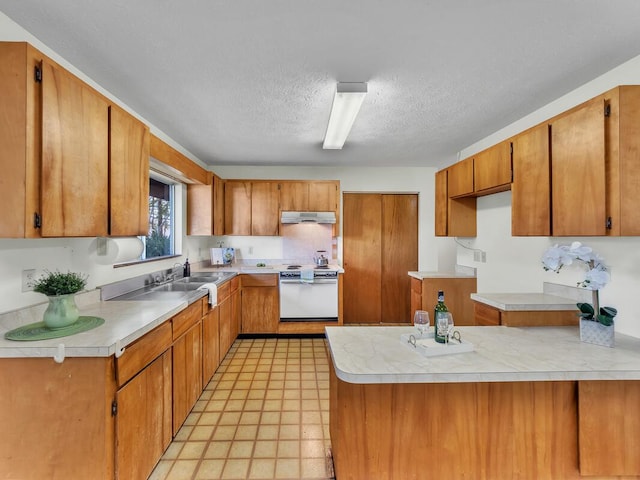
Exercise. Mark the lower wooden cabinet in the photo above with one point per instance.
(486, 315)
(229, 305)
(260, 303)
(210, 341)
(143, 420)
(187, 374)
(457, 296)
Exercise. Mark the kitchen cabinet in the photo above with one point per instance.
(441, 200)
(454, 217)
(531, 188)
(460, 178)
(309, 196)
(75, 163)
(492, 169)
(251, 208)
(486, 315)
(229, 306)
(187, 362)
(72, 402)
(457, 291)
(265, 213)
(143, 420)
(380, 247)
(205, 207)
(210, 340)
(129, 147)
(578, 175)
(259, 303)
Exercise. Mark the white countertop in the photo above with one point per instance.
(502, 354)
(124, 322)
(275, 268)
(525, 301)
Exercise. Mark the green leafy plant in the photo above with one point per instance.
(57, 283)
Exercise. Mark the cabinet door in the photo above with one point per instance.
(531, 188)
(265, 201)
(457, 297)
(129, 142)
(200, 209)
(75, 138)
(187, 374)
(210, 344)
(236, 316)
(441, 203)
(225, 326)
(323, 196)
(460, 178)
(260, 304)
(578, 171)
(294, 196)
(416, 295)
(218, 205)
(237, 208)
(492, 168)
(143, 421)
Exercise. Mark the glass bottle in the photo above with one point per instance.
(439, 336)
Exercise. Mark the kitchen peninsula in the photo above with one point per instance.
(530, 403)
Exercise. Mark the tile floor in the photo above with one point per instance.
(263, 415)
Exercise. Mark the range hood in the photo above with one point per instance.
(308, 217)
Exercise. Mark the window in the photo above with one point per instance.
(160, 241)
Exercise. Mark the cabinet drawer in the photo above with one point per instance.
(259, 280)
(142, 352)
(485, 315)
(186, 318)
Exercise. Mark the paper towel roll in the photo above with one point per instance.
(107, 251)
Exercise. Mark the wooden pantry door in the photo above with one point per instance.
(380, 246)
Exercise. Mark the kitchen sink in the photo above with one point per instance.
(200, 279)
(177, 287)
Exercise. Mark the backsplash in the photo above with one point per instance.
(298, 243)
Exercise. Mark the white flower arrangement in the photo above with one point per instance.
(596, 278)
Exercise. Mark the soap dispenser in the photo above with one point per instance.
(186, 272)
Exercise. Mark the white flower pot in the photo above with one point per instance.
(596, 333)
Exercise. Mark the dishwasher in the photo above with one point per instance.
(308, 298)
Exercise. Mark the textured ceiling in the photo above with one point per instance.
(251, 81)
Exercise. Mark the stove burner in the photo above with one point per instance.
(294, 267)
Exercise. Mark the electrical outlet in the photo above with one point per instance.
(480, 256)
(28, 277)
(250, 250)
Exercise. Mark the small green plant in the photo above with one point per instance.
(57, 283)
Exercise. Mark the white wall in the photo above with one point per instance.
(513, 263)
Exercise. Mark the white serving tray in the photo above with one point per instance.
(428, 347)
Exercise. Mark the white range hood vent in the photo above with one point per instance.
(308, 217)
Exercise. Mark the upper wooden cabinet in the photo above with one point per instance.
(251, 207)
(578, 171)
(309, 196)
(531, 188)
(62, 153)
(129, 143)
(454, 217)
(205, 208)
(441, 203)
(492, 169)
(460, 178)
(265, 214)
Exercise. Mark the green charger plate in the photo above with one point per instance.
(38, 331)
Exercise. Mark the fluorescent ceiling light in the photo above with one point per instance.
(346, 104)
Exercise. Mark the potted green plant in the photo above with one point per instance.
(596, 322)
(60, 289)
